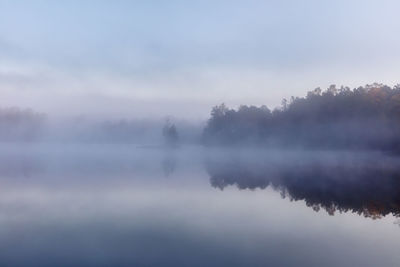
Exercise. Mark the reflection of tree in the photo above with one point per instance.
(368, 188)
(169, 165)
(17, 166)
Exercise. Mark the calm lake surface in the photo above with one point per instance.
(119, 205)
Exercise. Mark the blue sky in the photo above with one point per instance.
(157, 58)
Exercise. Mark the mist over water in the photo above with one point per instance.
(102, 205)
(315, 182)
(199, 133)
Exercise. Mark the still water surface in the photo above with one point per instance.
(106, 205)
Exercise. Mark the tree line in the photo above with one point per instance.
(361, 118)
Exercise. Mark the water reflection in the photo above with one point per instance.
(366, 184)
(14, 166)
(112, 206)
(169, 164)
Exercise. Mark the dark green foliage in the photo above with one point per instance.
(365, 117)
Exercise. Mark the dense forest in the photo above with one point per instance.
(340, 118)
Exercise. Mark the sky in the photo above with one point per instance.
(138, 59)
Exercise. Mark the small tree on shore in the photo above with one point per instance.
(170, 134)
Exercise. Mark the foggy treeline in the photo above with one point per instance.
(146, 132)
(336, 118)
(25, 125)
(20, 124)
(363, 118)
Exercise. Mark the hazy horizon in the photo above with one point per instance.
(152, 59)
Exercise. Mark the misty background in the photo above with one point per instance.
(295, 105)
(151, 59)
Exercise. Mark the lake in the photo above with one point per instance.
(120, 205)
